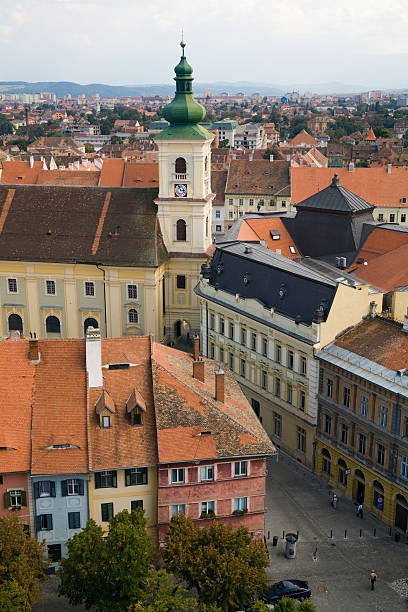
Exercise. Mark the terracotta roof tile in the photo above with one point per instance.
(257, 177)
(260, 229)
(303, 137)
(20, 172)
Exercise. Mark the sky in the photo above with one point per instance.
(279, 42)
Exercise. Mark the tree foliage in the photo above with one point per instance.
(225, 566)
(108, 575)
(286, 604)
(343, 126)
(306, 606)
(163, 594)
(5, 125)
(23, 562)
(89, 148)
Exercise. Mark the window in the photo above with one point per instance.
(271, 202)
(362, 443)
(405, 427)
(283, 204)
(50, 287)
(218, 228)
(207, 506)
(178, 509)
(242, 370)
(326, 463)
(380, 454)
(329, 387)
(136, 476)
(44, 488)
(346, 397)
(301, 439)
(240, 504)
(52, 325)
(217, 214)
(277, 424)
(230, 201)
(344, 433)
(278, 353)
(302, 400)
(231, 331)
(342, 476)
(135, 504)
(181, 230)
(303, 366)
(72, 486)
(292, 250)
(264, 347)
(89, 289)
(277, 387)
(241, 468)
(241, 201)
(222, 326)
(206, 472)
(381, 217)
(106, 422)
(54, 553)
(230, 214)
(177, 476)
(15, 498)
(74, 520)
(403, 217)
(261, 202)
(290, 360)
(383, 416)
(133, 316)
(364, 405)
(105, 480)
(251, 201)
(231, 362)
(44, 522)
(253, 341)
(12, 285)
(392, 218)
(221, 355)
(181, 281)
(107, 511)
(264, 381)
(404, 467)
(256, 407)
(243, 336)
(180, 166)
(327, 423)
(289, 393)
(212, 350)
(212, 322)
(132, 292)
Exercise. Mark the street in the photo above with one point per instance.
(336, 567)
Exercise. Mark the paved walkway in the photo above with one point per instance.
(336, 567)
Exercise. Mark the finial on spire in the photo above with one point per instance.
(182, 44)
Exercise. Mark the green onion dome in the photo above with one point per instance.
(183, 109)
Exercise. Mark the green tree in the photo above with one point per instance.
(108, 575)
(223, 144)
(225, 566)
(163, 594)
(306, 606)
(5, 125)
(89, 148)
(272, 151)
(260, 606)
(297, 125)
(286, 604)
(23, 562)
(382, 132)
(363, 163)
(115, 139)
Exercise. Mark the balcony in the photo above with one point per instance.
(180, 177)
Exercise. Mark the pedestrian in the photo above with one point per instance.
(360, 510)
(334, 501)
(373, 578)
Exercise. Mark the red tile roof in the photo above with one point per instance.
(20, 172)
(260, 229)
(16, 390)
(371, 136)
(375, 185)
(302, 138)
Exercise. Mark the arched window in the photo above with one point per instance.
(52, 325)
(325, 453)
(359, 474)
(181, 232)
(133, 316)
(206, 164)
(15, 323)
(181, 166)
(90, 322)
(378, 485)
(342, 477)
(378, 495)
(326, 463)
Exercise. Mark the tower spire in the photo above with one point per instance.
(182, 44)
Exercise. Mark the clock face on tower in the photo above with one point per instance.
(180, 191)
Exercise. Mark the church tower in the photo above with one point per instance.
(184, 201)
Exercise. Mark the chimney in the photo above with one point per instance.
(34, 352)
(351, 167)
(31, 161)
(271, 158)
(373, 309)
(389, 166)
(198, 370)
(219, 384)
(405, 324)
(196, 348)
(94, 357)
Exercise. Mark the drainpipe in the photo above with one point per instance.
(104, 295)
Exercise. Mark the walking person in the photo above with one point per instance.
(360, 510)
(334, 501)
(373, 578)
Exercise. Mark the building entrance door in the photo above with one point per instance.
(401, 517)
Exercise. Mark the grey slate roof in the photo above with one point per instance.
(104, 225)
(335, 198)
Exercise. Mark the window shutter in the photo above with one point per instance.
(97, 481)
(36, 490)
(114, 480)
(52, 488)
(7, 500)
(38, 523)
(80, 487)
(49, 522)
(23, 498)
(127, 478)
(144, 476)
(64, 488)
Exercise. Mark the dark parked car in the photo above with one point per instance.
(297, 589)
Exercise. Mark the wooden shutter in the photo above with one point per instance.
(36, 490)
(49, 521)
(52, 488)
(127, 478)
(144, 476)
(97, 480)
(23, 498)
(114, 479)
(38, 523)
(80, 487)
(64, 488)
(7, 500)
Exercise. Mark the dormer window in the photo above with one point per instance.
(104, 408)
(135, 407)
